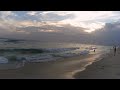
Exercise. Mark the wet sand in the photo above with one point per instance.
(60, 69)
(107, 68)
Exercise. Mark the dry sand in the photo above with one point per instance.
(107, 68)
(60, 69)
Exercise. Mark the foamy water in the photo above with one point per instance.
(56, 51)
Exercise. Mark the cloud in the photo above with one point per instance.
(60, 13)
(61, 24)
(55, 15)
(65, 29)
(87, 19)
(32, 13)
(109, 34)
(92, 19)
(5, 14)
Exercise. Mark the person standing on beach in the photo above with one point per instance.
(115, 49)
(94, 50)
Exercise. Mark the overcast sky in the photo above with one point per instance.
(23, 23)
(90, 20)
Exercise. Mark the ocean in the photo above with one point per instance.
(57, 48)
(55, 51)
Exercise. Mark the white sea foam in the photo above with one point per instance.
(3, 60)
(54, 56)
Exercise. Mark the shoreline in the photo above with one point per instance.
(99, 58)
(95, 58)
(20, 64)
(60, 69)
(106, 68)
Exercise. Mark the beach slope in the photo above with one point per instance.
(107, 68)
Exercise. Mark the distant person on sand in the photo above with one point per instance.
(115, 49)
(94, 50)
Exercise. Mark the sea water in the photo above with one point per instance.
(54, 51)
(57, 49)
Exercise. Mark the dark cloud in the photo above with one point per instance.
(109, 34)
(64, 29)
(65, 33)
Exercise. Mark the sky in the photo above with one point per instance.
(91, 20)
(36, 23)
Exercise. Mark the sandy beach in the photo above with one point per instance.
(107, 68)
(60, 69)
